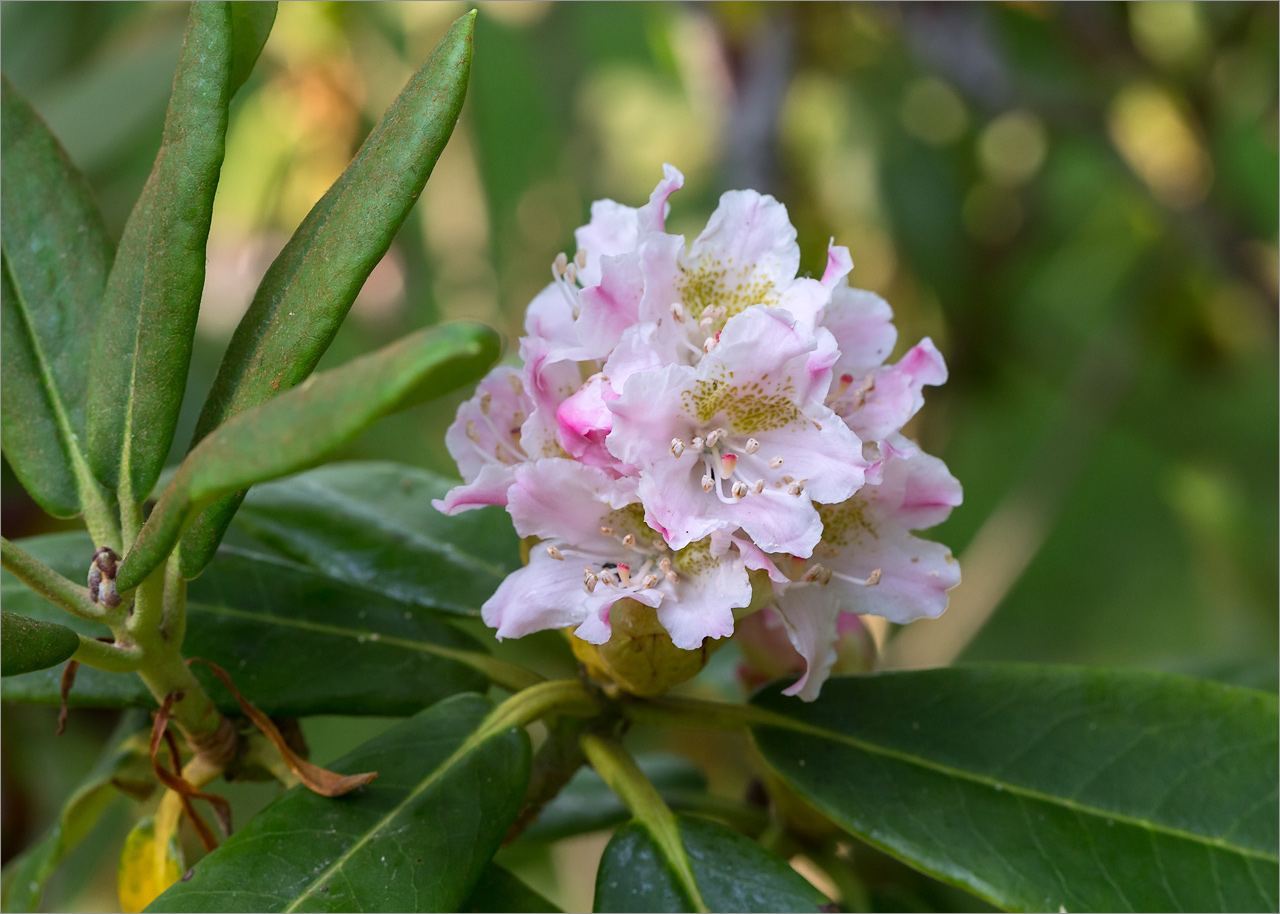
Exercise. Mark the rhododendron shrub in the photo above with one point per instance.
(690, 413)
(699, 450)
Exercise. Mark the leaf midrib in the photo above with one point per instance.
(762, 718)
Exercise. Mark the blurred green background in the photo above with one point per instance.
(1078, 202)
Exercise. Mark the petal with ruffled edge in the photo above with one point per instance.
(917, 490)
(584, 420)
(896, 393)
(488, 488)
(612, 306)
(746, 255)
(648, 415)
(485, 440)
(652, 217)
(915, 575)
(567, 502)
(613, 230)
(810, 614)
(710, 588)
(862, 323)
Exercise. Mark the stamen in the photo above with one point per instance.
(629, 541)
(739, 490)
(710, 343)
(812, 573)
(846, 380)
(673, 578)
(873, 579)
(580, 258)
(677, 311)
(696, 444)
(607, 576)
(788, 480)
(650, 580)
(714, 438)
(708, 483)
(758, 486)
(775, 463)
(486, 400)
(751, 446)
(795, 488)
(555, 553)
(665, 565)
(589, 580)
(607, 531)
(558, 267)
(571, 273)
(677, 447)
(624, 574)
(704, 324)
(471, 431)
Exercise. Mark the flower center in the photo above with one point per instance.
(729, 462)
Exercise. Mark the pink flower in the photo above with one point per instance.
(687, 415)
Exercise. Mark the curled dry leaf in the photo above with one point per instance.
(317, 779)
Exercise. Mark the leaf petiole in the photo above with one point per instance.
(54, 587)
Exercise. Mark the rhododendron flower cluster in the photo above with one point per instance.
(690, 417)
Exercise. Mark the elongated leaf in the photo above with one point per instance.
(55, 262)
(1046, 787)
(499, 890)
(417, 838)
(303, 427)
(143, 333)
(372, 524)
(311, 286)
(123, 765)
(29, 644)
(294, 642)
(251, 22)
(733, 873)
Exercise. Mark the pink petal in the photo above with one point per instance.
(810, 614)
(613, 230)
(564, 500)
(652, 216)
(896, 395)
(751, 230)
(488, 488)
(705, 603)
(584, 420)
(612, 306)
(862, 323)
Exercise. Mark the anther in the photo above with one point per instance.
(739, 490)
(795, 488)
(624, 574)
(673, 578)
(608, 578)
(752, 446)
(677, 311)
(709, 344)
(471, 431)
(696, 444)
(629, 541)
(704, 324)
(607, 531)
(486, 400)
(571, 272)
(874, 578)
(775, 463)
(650, 580)
(555, 553)
(824, 578)
(812, 573)
(758, 486)
(788, 480)
(561, 262)
(665, 565)
(714, 438)
(708, 483)
(580, 258)
(677, 447)
(589, 580)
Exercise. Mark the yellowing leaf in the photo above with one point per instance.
(150, 863)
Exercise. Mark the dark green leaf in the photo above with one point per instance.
(733, 873)
(372, 524)
(304, 426)
(251, 22)
(587, 804)
(55, 262)
(29, 644)
(499, 890)
(295, 642)
(417, 838)
(143, 333)
(124, 764)
(1045, 787)
(308, 290)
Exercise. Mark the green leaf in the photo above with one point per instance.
(733, 873)
(372, 524)
(55, 261)
(123, 765)
(499, 890)
(251, 22)
(280, 630)
(417, 838)
(143, 331)
(1045, 787)
(587, 804)
(311, 286)
(29, 644)
(305, 426)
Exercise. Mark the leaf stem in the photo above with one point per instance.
(52, 586)
(104, 655)
(618, 769)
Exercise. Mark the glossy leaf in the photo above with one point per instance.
(55, 262)
(143, 331)
(29, 644)
(417, 838)
(123, 765)
(311, 286)
(1046, 787)
(251, 22)
(372, 524)
(499, 890)
(733, 873)
(294, 642)
(306, 425)
(587, 804)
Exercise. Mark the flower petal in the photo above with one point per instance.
(896, 395)
(710, 589)
(862, 323)
(613, 230)
(488, 488)
(652, 217)
(750, 238)
(564, 501)
(810, 613)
